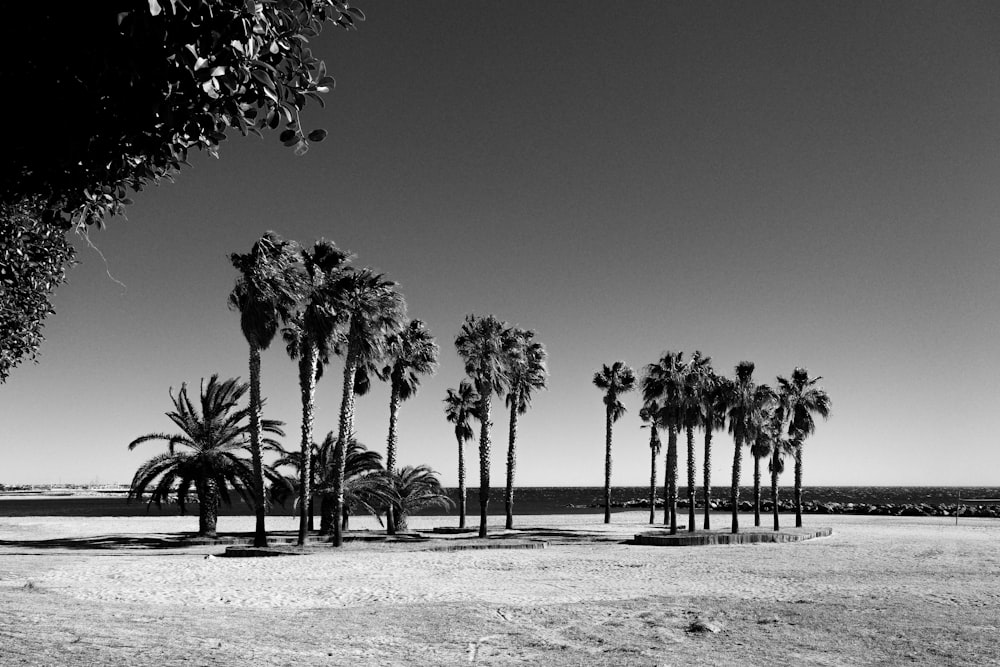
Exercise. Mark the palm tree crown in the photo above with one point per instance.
(410, 353)
(267, 290)
(615, 380)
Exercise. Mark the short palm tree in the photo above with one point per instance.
(484, 344)
(414, 489)
(364, 484)
(308, 339)
(663, 382)
(265, 295)
(650, 414)
(459, 407)
(527, 373)
(409, 353)
(370, 309)
(613, 380)
(747, 402)
(206, 454)
(802, 398)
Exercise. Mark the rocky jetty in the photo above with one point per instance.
(814, 507)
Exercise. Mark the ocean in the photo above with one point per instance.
(527, 500)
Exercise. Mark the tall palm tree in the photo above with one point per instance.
(614, 380)
(370, 309)
(527, 373)
(308, 339)
(663, 382)
(802, 398)
(265, 294)
(410, 353)
(459, 407)
(484, 344)
(747, 401)
(691, 417)
(213, 440)
(650, 413)
(714, 391)
(416, 488)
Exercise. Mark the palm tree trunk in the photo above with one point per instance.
(672, 477)
(654, 446)
(666, 486)
(607, 465)
(208, 507)
(692, 473)
(390, 451)
(734, 491)
(307, 383)
(511, 463)
(707, 477)
(345, 431)
(756, 490)
(256, 451)
(775, 462)
(461, 481)
(484, 460)
(798, 485)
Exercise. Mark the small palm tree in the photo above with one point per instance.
(213, 440)
(484, 344)
(614, 380)
(265, 295)
(527, 372)
(459, 407)
(650, 414)
(802, 398)
(364, 485)
(414, 489)
(308, 339)
(410, 353)
(370, 309)
(663, 382)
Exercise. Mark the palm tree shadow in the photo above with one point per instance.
(564, 536)
(98, 542)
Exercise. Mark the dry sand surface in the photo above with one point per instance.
(880, 590)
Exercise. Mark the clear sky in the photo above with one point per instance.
(793, 183)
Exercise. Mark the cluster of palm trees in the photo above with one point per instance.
(684, 395)
(325, 306)
(500, 360)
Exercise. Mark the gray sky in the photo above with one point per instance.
(793, 183)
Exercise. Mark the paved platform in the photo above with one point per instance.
(662, 538)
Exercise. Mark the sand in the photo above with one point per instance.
(880, 590)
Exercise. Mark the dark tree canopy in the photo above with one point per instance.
(33, 261)
(114, 95)
(111, 96)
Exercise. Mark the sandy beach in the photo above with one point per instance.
(880, 590)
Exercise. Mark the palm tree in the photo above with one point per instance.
(614, 380)
(265, 294)
(773, 431)
(308, 339)
(650, 414)
(484, 344)
(802, 398)
(526, 368)
(714, 391)
(761, 440)
(662, 382)
(371, 309)
(691, 417)
(364, 486)
(410, 353)
(215, 436)
(459, 407)
(747, 401)
(413, 489)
